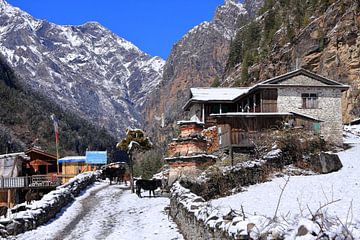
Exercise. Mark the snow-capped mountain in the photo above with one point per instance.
(196, 60)
(86, 68)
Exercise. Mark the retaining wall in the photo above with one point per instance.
(197, 220)
(27, 217)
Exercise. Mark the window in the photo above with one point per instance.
(309, 100)
(215, 108)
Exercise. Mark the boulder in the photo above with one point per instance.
(325, 162)
(14, 228)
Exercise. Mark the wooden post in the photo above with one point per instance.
(254, 102)
(57, 156)
(203, 113)
(8, 198)
(131, 168)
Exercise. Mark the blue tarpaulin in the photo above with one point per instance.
(96, 157)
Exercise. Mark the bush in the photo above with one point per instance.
(149, 164)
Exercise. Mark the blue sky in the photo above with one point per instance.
(152, 25)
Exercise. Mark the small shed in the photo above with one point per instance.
(72, 166)
(10, 168)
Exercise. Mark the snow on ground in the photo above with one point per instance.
(303, 192)
(109, 212)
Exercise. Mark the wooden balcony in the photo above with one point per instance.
(236, 138)
(35, 181)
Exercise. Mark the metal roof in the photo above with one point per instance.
(72, 159)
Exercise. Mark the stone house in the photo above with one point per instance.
(298, 99)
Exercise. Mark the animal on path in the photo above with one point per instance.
(3, 211)
(114, 173)
(30, 196)
(150, 185)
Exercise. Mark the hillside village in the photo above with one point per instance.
(208, 163)
(248, 150)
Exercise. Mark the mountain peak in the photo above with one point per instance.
(87, 68)
(227, 15)
(4, 5)
(94, 24)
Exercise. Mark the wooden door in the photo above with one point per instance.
(269, 100)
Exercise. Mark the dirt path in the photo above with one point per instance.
(109, 212)
(92, 216)
(89, 212)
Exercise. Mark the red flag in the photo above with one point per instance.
(56, 127)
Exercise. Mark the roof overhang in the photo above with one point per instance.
(304, 72)
(264, 86)
(191, 102)
(251, 114)
(263, 115)
(39, 151)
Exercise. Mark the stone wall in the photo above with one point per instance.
(188, 129)
(302, 80)
(27, 217)
(329, 108)
(186, 147)
(188, 167)
(211, 135)
(195, 220)
(219, 182)
(222, 182)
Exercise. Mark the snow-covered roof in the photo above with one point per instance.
(216, 94)
(193, 119)
(191, 157)
(14, 155)
(72, 159)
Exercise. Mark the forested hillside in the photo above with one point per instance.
(25, 121)
(319, 35)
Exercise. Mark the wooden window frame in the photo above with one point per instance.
(310, 100)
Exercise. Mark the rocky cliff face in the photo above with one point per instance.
(86, 68)
(329, 45)
(196, 60)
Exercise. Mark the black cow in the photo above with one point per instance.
(114, 173)
(150, 185)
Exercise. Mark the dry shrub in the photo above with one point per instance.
(267, 172)
(292, 142)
